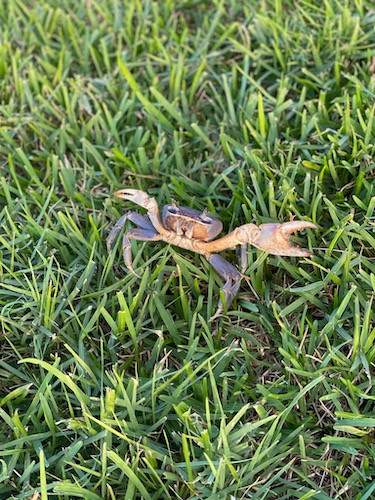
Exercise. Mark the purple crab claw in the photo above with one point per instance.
(274, 238)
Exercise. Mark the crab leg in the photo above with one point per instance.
(144, 200)
(136, 234)
(232, 280)
(138, 219)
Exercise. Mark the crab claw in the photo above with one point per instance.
(136, 196)
(274, 238)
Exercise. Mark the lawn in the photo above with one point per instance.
(119, 387)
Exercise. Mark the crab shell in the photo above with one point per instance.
(185, 221)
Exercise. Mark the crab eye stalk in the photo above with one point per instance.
(173, 210)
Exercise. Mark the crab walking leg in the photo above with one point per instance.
(232, 280)
(141, 220)
(136, 234)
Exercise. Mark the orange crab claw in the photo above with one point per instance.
(274, 238)
(145, 201)
(136, 196)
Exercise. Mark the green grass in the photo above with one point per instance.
(114, 387)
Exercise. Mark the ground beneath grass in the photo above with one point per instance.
(113, 386)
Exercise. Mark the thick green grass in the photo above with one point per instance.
(115, 387)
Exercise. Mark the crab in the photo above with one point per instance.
(193, 230)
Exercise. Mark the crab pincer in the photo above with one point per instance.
(274, 238)
(145, 201)
(136, 196)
